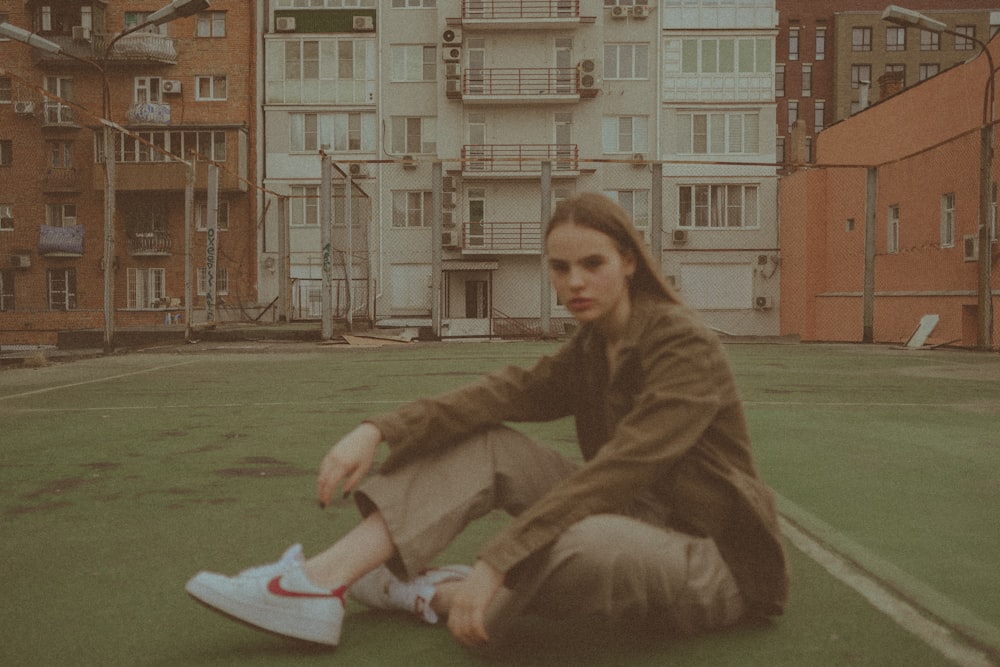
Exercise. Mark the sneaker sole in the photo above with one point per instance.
(265, 618)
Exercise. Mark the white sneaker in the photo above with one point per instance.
(381, 589)
(286, 603)
(293, 556)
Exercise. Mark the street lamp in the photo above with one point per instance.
(908, 18)
(175, 10)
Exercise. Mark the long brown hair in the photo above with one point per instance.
(597, 212)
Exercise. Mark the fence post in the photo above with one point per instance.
(349, 252)
(326, 241)
(868, 299)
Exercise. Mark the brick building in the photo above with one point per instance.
(179, 89)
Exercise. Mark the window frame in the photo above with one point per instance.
(948, 220)
(403, 215)
(892, 229)
(68, 299)
(704, 200)
(213, 81)
(861, 39)
(402, 57)
(210, 25)
(638, 61)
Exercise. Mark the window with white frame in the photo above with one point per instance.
(146, 288)
(147, 89)
(779, 80)
(718, 206)
(718, 133)
(725, 56)
(6, 217)
(965, 40)
(636, 204)
(210, 24)
(60, 215)
(895, 38)
(820, 43)
(948, 220)
(61, 285)
(861, 39)
(133, 19)
(208, 144)
(819, 115)
(892, 230)
(413, 62)
(414, 134)
(221, 280)
(304, 205)
(6, 290)
(807, 80)
(625, 134)
(930, 41)
(211, 88)
(411, 208)
(626, 61)
(340, 131)
(59, 154)
(793, 43)
(201, 215)
(414, 4)
(55, 111)
(793, 113)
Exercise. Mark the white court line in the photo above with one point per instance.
(104, 379)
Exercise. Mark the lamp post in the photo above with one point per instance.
(175, 10)
(908, 18)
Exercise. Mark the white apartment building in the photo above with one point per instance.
(667, 106)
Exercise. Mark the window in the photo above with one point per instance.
(414, 134)
(343, 131)
(210, 145)
(820, 43)
(807, 80)
(895, 38)
(966, 38)
(713, 56)
(793, 43)
(625, 134)
(304, 205)
(819, 115)
(211, 24)
(779, 148)
(626, 61)
(414, 62)
(60, 215)
(896, 68)
(860, 75)
(719, 133)
(6, 152)
(146, 218)
(927, 70)
(793, 113)
(61, 289)
(221, 218)
(6, 290)
(779, 80)
(6, 90)
(132, 19)
(718, 206)
(411, 209)
(60, 154)
(414, 4)
(636, 204)
(892, 236)
(146, 288)
(861, 39)
(57, 112)
(6, 217)
(948, 220)
(210, 88)
(221, 280)
(147, 89)
(929, 41)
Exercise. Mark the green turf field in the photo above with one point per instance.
(122, 476)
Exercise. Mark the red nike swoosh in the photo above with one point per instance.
(275, 588)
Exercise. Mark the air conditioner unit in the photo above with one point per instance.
(448, 183)
(587, 66)
(452, 54)
(640, 12)
(81, 33)
(363, 24)
(20, 261)
(453, 86)
(619, 12)
(449, 239)
(170, 87)
(762, 302)
(451, 36)
(970, 246)
(358, 170)
(680, 236)
(452, 71)
(284, 24)
(24, 107)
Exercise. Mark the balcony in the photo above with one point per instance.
(501, 238)
(60, 241)
(138, 48)
(521, 14)
(519, 160)
(56, 115)
(149, 244)
(61, 179)
(543, 85)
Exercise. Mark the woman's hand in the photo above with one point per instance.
(470, 600)
(348, 461)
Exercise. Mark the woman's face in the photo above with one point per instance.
(590, 274)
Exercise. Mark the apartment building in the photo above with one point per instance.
(831, 57)
(181, 91)
(666, 106)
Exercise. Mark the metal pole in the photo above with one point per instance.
(326, 241)
(211, 246)
(656, 214)
(349, 252)
(868, 299)
(984, 291)
(545, 295)
(188, 236)
(109, 234)
(436, 184)
(283, 268)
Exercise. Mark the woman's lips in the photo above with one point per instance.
(580, 303)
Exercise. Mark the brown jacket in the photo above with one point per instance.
(664, 437)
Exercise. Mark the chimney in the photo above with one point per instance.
(889, 84)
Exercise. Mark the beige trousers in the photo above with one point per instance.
(607, 565)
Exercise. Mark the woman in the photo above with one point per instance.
(666, 518)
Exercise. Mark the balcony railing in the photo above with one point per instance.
(61, 179)
(502, 237)
(519, 9)
(140, 47)
(59, 115)
(545, 84)
(518, 158)
(149, 244)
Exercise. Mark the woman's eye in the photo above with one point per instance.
(593, 262)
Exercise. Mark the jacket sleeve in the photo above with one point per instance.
(541, 393)
(682, 375)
